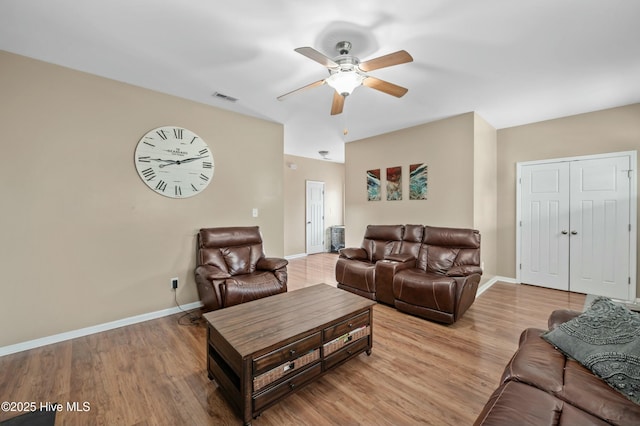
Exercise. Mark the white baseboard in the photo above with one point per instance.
(505, 279)
(36, 343)
(295, 256)
(486, 286)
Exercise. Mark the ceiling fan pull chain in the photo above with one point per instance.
(345, 127)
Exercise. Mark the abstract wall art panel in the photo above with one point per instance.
(418, 181)
(394, 183)
(373, 185)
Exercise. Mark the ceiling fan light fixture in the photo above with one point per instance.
(345, 82)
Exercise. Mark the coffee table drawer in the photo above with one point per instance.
(286, 353)
(346, 352)
(287, 369)
(347, 326)
(263, 399)
(346, 339)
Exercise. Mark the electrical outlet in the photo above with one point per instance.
(174, 283)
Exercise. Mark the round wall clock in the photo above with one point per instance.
(174, 162)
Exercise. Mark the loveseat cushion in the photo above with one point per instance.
(443, 248)
(437, 259)
(425, 289)
(516, 403)
(381, 240)
(356, 274)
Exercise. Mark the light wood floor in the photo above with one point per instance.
(420, 372)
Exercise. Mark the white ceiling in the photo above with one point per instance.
(513, 62)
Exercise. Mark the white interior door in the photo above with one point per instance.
(600, 227)
(545, 225)
(576, 220)
(315, 217)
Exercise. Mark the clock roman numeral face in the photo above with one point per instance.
(174, 162)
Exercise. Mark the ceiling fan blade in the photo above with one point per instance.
(338, 103)
(320, 58)
(385, 86)
(396, 58)
(308, 86)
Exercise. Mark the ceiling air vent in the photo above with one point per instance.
(224, 97)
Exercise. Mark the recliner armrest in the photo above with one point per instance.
(463, 270)
(353, 253)
(271, 263)
(211, 273)
(400, 257)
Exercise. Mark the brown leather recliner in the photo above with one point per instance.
(442, 283)
(355, 267)
(232, 268)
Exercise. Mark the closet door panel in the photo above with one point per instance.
(599, 242)
(545, 224)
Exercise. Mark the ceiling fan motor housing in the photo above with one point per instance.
(348, 66)
(343, 47)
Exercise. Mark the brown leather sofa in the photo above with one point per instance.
(431, 272)
(232, 268)
(541, 386)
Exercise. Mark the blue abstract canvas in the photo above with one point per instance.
(373, 185)
(418, 181)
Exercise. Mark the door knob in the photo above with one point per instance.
(574, 232)
(564, 232)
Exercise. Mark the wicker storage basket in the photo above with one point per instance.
(282, 370)
(345, 339)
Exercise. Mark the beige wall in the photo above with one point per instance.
(612, 130)
(485, 194)
(459, 151)
(297, 171)
(84, 241)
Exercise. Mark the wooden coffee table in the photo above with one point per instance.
(261, 351)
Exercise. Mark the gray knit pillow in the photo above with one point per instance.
(606, 340)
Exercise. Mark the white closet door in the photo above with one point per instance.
(545, 225)
(575, 226)
(599, 253)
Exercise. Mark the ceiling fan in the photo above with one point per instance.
(346, 72)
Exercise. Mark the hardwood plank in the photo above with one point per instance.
(420, 372)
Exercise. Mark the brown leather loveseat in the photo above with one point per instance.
(431, 272)
(541, 386)
(232, 268)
